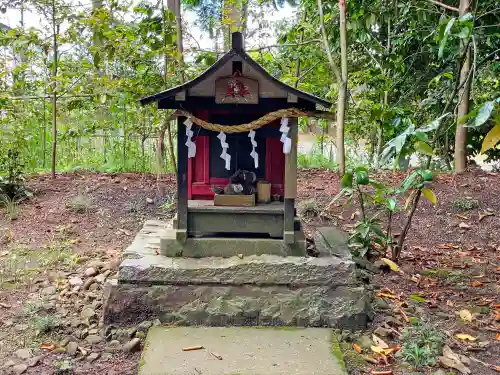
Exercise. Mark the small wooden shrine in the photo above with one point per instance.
(236, 117)
(227, 260)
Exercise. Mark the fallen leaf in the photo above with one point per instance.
(381, 351)
(367, 358)
(497, 317)
(463, 217)
(357, 348)
(456, 364)
(466, 315)
(47, 346)
(448, 246)
(465, 336)
(463, 225)
(450, 303)
(379, 342)
(386, 295)
(498, 337)
(417, 298)
(385, 372)
(485, 214)
(393, 266)
(476, 284)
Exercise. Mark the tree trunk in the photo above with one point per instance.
(180, 46)
(342, 89)
(463, 106)
(54, 91)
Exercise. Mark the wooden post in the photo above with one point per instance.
(182, 181)
(291, 184)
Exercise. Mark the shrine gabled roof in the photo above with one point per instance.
(236, 51)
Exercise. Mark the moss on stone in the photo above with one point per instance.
(337, 351)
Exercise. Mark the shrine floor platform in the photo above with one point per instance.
(241, 351)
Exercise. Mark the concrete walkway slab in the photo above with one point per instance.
(244, 351)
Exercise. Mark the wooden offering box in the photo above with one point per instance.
(234, 200)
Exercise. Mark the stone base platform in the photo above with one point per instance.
(244, 351)
(254, 290)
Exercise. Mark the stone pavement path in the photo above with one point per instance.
(244, 351)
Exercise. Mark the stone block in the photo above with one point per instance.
(228, 247)
(332, 241)
(254, 269)
(237, 305)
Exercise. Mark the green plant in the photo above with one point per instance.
(421, 344)
(11, 206)
(366, 237)
(32, 307)
(465, 204)
(80, 203)
(12, 181)
(44, 324)
(308, 209)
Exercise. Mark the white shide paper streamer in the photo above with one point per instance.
(287, 141)
(224, 156)
(189, 143)
(254, 154)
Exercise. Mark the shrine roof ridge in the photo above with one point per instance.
(236, 50)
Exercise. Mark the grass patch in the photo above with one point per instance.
(422, 344)
(11, 207)
(45, 324)
(23, 263)
(80, 203)
(309, 209)
(443, 274)
(465, 204)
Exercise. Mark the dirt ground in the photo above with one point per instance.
(78, 224)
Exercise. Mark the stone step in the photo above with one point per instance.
(230, 351)
(253, 269)
(237, 305)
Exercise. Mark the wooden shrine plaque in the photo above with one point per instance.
(236, 90)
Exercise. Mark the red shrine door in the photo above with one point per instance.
(201, 178)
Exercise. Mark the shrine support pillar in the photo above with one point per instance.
(291, 184)
(182, 181)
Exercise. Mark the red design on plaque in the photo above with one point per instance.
(237, 89)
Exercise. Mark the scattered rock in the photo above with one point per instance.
(93, 339)
(88, 283)
(131, 332)
(9, 363)
(156, 322)
(48, 291)
(34, 361)
(149, 201)
(114, 346)
(365, 342)
(19, 369)
(94, 286)
(49, 306)
(384, 332)
(132, 346)
(23, 353)
(71, 348)
(113, 265)
(87, 312)
(463, 225)
(100, 278)
(145, 325)
(91, 271)
(75, 281)
(380, 303)
(106, 356)
(93, 331)
(93, 356)
(21, 327)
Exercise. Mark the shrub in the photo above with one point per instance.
(11, 177)
(422, 344)
(465, 204)
(79, 203)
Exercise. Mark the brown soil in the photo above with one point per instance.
(463, 274)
